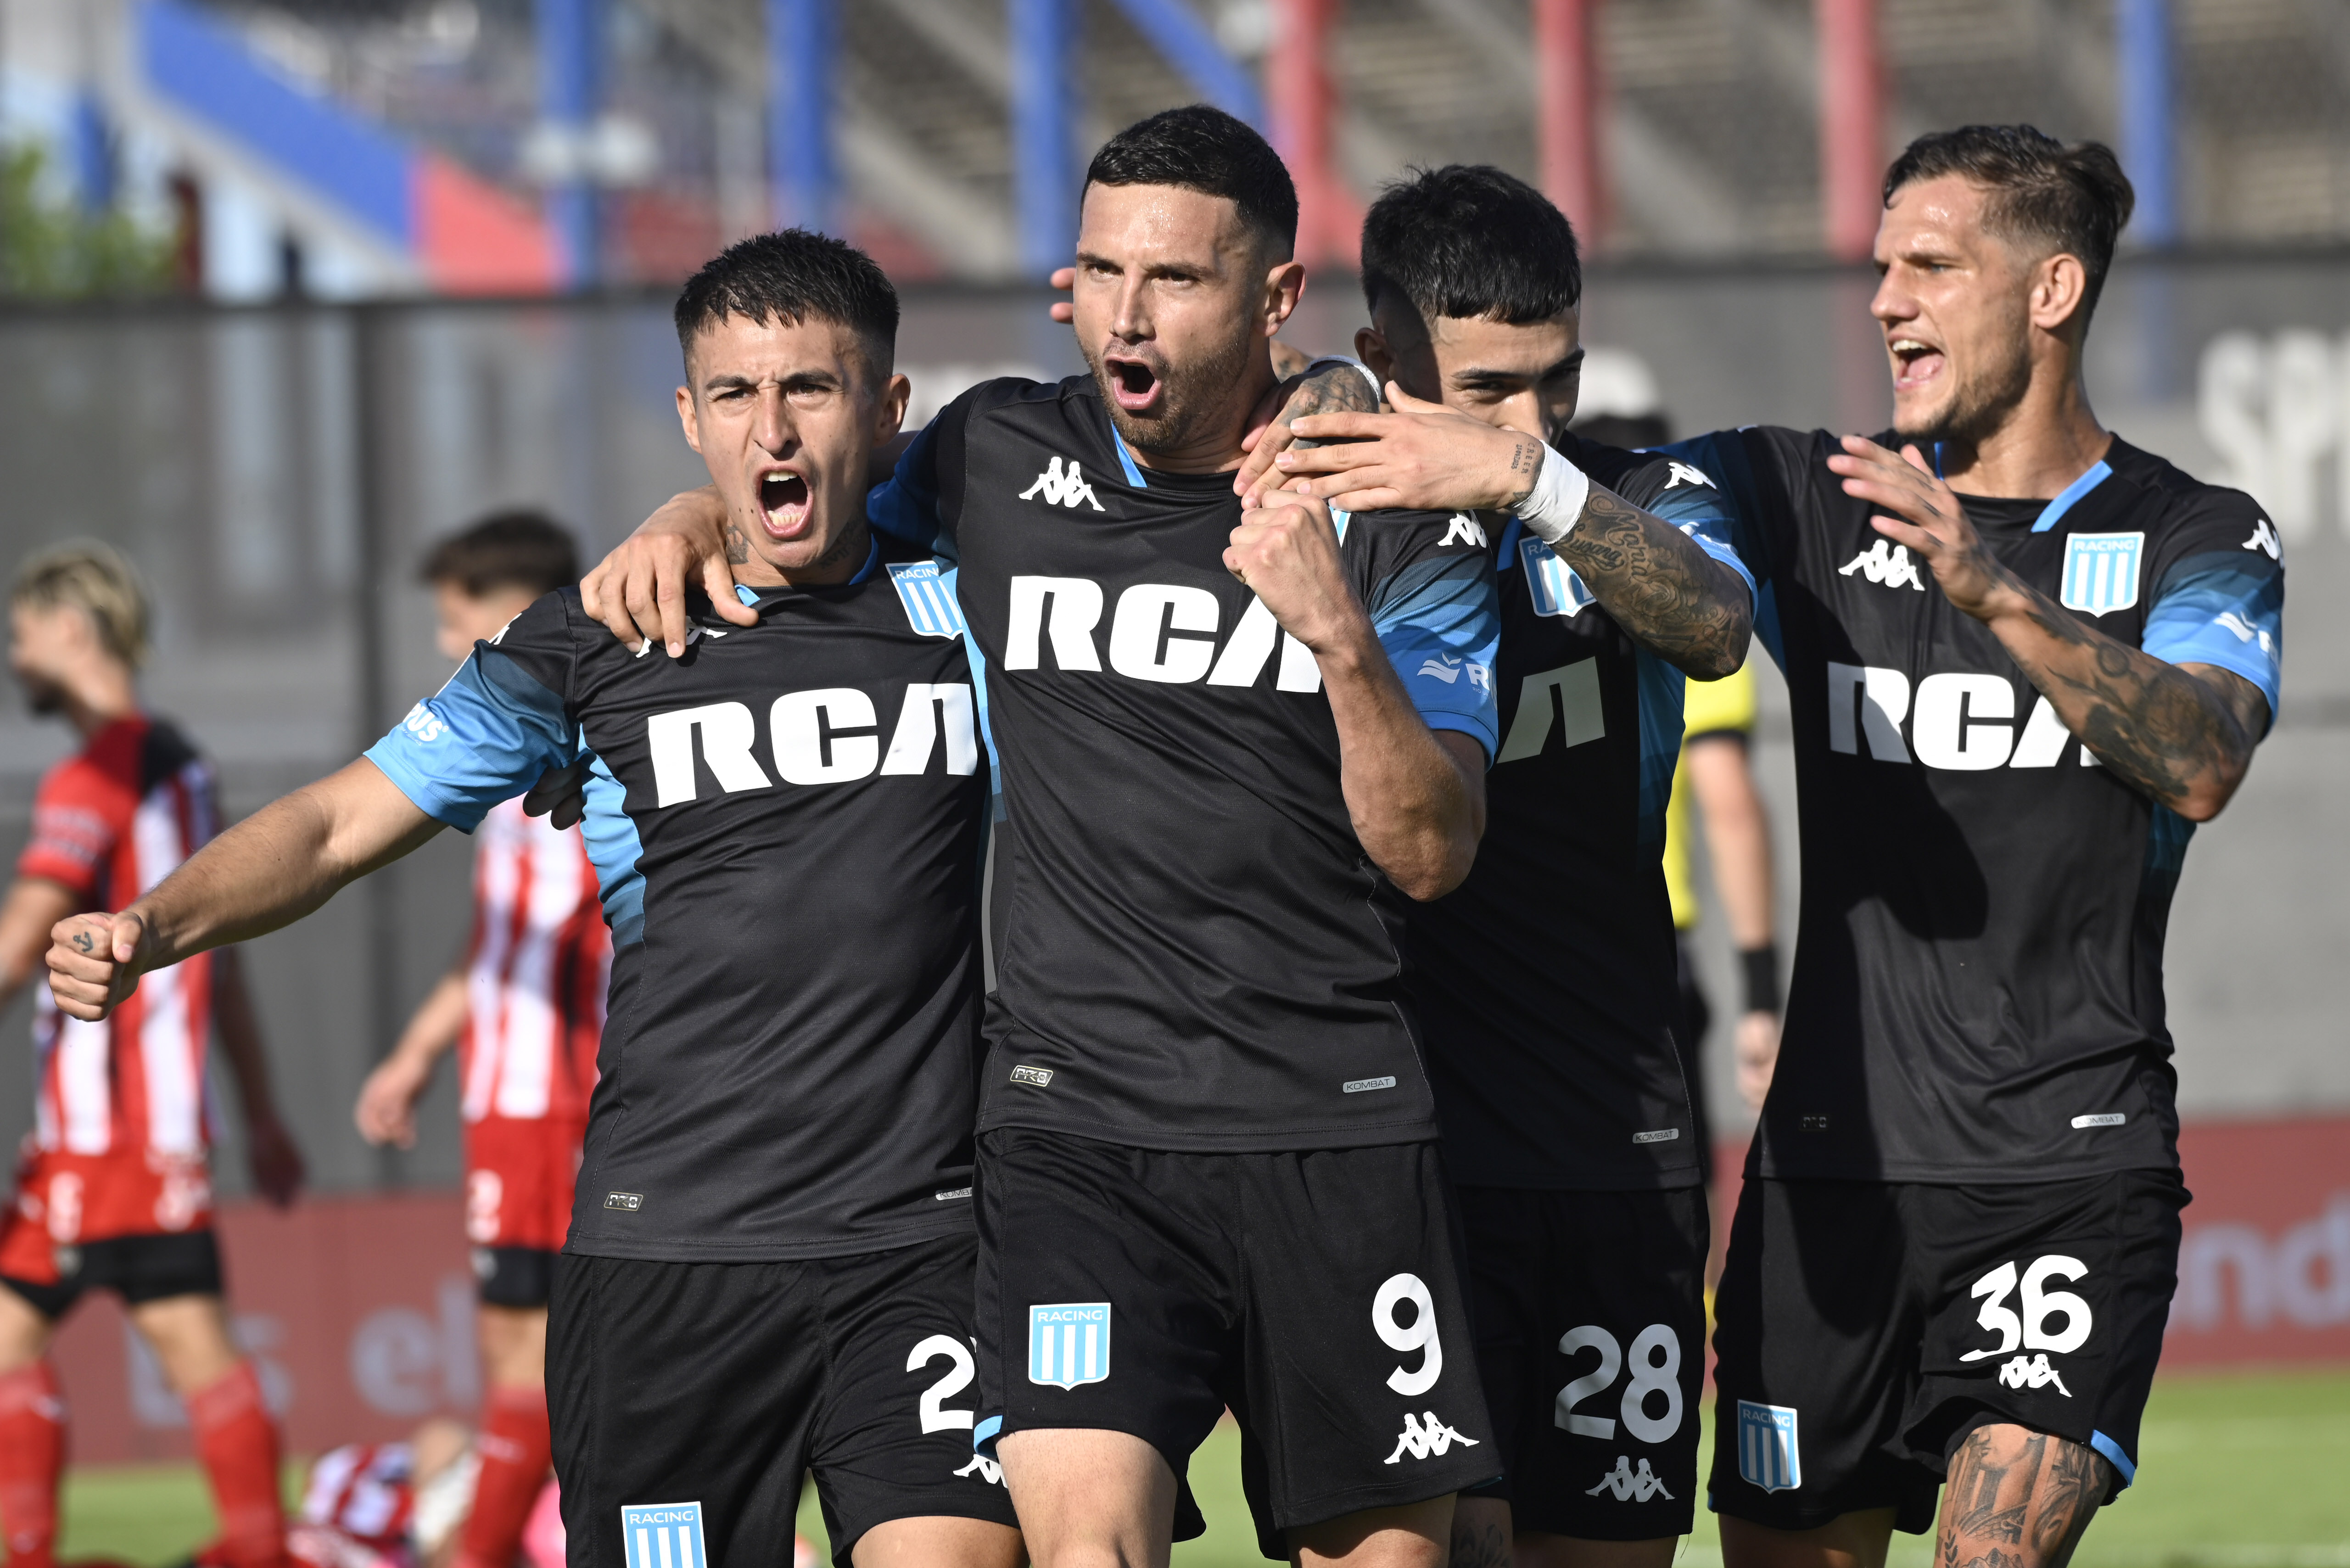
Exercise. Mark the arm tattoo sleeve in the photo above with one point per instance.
(1669, 595)
(2163, 728)
(1335, 389)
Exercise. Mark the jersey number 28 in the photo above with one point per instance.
(1655, 1369)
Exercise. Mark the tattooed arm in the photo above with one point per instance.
(1658, 585)
(2182, 734)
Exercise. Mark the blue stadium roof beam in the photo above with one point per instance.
(2150, 102)
(803, 43)
(1185, 42)
(570, 91)
(1044, 174)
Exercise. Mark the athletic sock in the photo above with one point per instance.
(237, 1443)
(32, 1458)
(515, 1449)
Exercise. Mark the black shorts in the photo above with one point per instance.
(1318, 1294)
(517, 1277)
(723, 1384)
(1863, 1329)
(1590, 1313)
(138, 1269)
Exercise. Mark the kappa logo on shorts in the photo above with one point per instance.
(1630, 1485)
(1768, 1454)
(1420, 1442)
(2033, 1374)
(664, 1536)
(1068, 1344)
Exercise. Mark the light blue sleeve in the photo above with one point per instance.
(1441, 621)
(1699, 512)
(2212, 610)
(486, 737)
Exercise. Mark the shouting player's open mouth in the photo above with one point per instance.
(1134, 382)
(784, 503)
(1916, 362)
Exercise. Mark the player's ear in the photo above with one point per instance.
(1284, 285)
(2060, 285)
(1371, 348)
(889, 417)
(686, 417)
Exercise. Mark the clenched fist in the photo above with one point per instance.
(1286, 551)
(95, 962)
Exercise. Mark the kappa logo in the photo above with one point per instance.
(664, 1536)
(1060, 486)
(1068, 1344)
(1769, 1455)
(1682, 474)
(1885, 563)
(693, 634)
(985, 1469)
(1630, 1485)
(1420, 1442)
(2033, 1374)
(1463, 529)
(2264, 537)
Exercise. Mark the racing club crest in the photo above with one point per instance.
(2101, 572)
(1068, 1344)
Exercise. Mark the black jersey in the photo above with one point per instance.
(1545, 982)
(1193, 951)
(786, 824)
(1978, 984)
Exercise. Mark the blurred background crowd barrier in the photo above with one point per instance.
(289, 288)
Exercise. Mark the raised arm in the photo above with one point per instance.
(269, 870)
(1657, 582)
(1416, 796)
(2183, 735)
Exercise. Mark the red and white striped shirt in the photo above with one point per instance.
(536, 976)
(109, 823)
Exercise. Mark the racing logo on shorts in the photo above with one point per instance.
(1768, 1456)
(2101, 572)
(1068, 1344)
(664, 1536)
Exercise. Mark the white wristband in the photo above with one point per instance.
(1556, 505)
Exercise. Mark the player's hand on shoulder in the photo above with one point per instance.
(1286, 552)
(1928, 519)
(94, 962)
(1339, 386)
(1423, 456)
(638, 591)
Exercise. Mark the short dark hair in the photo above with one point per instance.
(1199, 147)
(515, 549)
(2073, 197)
(1470, 241)
(791, 275)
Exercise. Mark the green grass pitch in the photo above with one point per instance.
(2236, 1470)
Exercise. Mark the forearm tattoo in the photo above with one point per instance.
(2017, 1502)
(2157, 726)
(1479, 1544)
(1668, 594)
(1338, 389)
